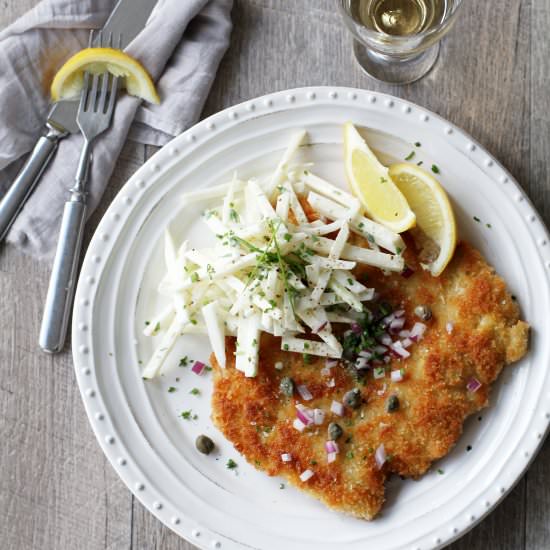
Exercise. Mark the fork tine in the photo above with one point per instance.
(100, 38)
(112, 95)
(102, 104)
(93, 93)
(110, 41)
(85, 90)
(91, 38)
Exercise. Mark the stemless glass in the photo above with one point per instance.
(397, 41)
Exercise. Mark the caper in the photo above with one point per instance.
(423, 312)
(353, 398)
(334, 431)
(287, 386)
(204, 444)
(393, 403)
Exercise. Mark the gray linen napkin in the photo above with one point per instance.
(181, 47)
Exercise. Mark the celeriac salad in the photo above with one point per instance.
(282, 259)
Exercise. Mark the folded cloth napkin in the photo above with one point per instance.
(181, 47)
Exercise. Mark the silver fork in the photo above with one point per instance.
(95, 112)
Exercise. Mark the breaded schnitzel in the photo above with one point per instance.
(473, 332)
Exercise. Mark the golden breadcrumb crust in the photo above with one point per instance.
(474, 332)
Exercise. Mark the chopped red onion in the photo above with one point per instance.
(318, 329)
(449, 328)
(356, 328)
(286, 457)
(473, 385)
(399, 313)
(397, 375)
(385, 339)
(329, 363)
(331, 383)
(387, 359)
(303, 418)
(365, 354)
(304, 414)
(304, 392)
(279, 365)
(198, 367)
(398, 348)
(331, 447)
(379, 372)
(404, 333)
(407, 342)
(361, 363)
(380, 349)
(348, 333)
(387, 319)
(380, 456)
(417, 332)
(331, 457)
(397, 324)
(382, 390)
(407, 272)
(299, 425)
(305, 475)
(318, 416)
(337, 408)
(325, 371)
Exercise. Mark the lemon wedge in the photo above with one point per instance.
(371, 184)
(68, 81)
(434, 214)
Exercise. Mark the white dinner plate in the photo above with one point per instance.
(138, 424)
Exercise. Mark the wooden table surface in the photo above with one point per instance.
(57, 490)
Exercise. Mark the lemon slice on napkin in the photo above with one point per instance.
(68, 82)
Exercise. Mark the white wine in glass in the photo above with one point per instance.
(397, 41)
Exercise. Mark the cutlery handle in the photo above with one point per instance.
(64, 274)
(17, 194)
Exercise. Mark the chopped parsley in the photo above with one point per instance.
(233, 215)
(195, 391)
(210, 270)
(281, 486)
(188, 415)
(476, 219)
(287, 237)
(285, 347)
(410, 155)
(440, 471)
(417, 144)
(383, 180)
(147, 323)
(184, 361)
(231, 464)
(157, 327)
(195, 277)
(468, 448)
(488, 225)
(435, 169)
(349, 454)
(420, 163)
(171, 389)
(307, 358)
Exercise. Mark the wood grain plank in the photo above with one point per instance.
(537, 509)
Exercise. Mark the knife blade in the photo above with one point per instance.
(127, 19)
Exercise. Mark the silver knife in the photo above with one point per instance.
(127, 19)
